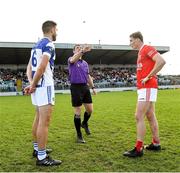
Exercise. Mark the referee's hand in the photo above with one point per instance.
(94, 91)
(86, 48)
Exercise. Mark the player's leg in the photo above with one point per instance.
(143, 105)
(42, 130)
(45, 113)
(35, 124)
(34, 132)
(141, 109)
(155, 145)
(34, 135)
(45, 101)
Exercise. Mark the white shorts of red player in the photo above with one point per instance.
(147, 94)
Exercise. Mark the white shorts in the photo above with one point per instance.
(43, 96)
(147, 94)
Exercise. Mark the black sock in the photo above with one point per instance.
(77, 123)
(86, 117)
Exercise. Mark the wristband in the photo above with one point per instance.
(93, 87)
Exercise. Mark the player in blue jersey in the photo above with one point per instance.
(40, 75)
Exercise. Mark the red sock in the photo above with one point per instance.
(139, 145)
(155, 141)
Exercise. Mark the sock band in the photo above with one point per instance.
(35, 145)
(41, 154)
(139, 145)
(155, 142)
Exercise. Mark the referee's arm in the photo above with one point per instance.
(91, 84)
(76, 57)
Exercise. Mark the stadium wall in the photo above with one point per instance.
(23, 66)
(13, 66)
(98, 90)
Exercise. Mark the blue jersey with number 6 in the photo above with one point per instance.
(43, 47)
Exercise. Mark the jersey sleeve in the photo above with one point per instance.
(151, 51)
(48, 49)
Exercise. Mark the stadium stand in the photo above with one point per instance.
(112, 66)
(111, 77)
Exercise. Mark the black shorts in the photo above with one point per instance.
(80, 94)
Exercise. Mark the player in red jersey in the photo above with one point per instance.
(149, 63)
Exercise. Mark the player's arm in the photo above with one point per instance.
(41, 69)
(80, 53)
(29, 76)
(91, 84)
(29, 71)
(159, 63)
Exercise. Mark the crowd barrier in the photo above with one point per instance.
(98, 90)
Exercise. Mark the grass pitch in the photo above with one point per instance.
(113, 131)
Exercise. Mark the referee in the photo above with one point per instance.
(80, 93)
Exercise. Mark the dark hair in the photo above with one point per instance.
(137, 34)
(76, 46)
(48, 25)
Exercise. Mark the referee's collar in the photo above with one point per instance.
(81, 60)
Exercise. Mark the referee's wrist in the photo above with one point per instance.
(93, 87)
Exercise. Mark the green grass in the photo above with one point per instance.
(113, 131)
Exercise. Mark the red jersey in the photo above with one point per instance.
(145, 64)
